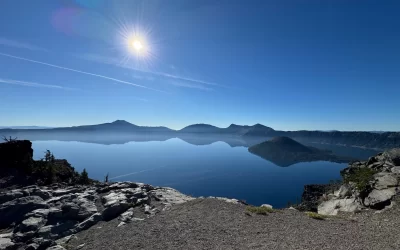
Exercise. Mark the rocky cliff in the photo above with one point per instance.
(16, 157)
(19, 169)
(38, 217)
(366, 184)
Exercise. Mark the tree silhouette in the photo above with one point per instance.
(84, 177)
(106, 178)
(9, 139)
(47, 156)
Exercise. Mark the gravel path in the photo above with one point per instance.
(215, 224)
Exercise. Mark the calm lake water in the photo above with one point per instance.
(216, 169)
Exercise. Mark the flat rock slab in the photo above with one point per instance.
(170, 195)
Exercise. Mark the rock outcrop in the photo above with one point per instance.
(310, 198)
(16, 158)
(367, 184)
(17, 168)
(40, 216)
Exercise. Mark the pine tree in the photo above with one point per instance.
(84, 177)
(47, 156)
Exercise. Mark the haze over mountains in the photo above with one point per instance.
(24, 127)
(251, 135)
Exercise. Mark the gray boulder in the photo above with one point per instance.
(6, 235)
(58, 200)
(113, 197)
(72, 211)
(55, 214)
(147, 209)
(56, 247)
(396, 170)
(392, 156)
(23, 237)
(31, 224)
(145, 200)
(267, 206)
(72, 190)
(115, 209)
(10, 195)
(15, 210)
(6, 244)
(118, 185)
(42, 243)
(87, 202)
(66, 239)
(332, 207)
(385, 180)
(126, 216)
(45, 195)
(92, 220)
(343, 192)
(57, 231)
(378, 198)
(170, 195)
(32, 246)
(41, 212)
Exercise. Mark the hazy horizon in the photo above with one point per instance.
(290, 65)
(179, 128)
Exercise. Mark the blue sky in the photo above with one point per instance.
(291, 65)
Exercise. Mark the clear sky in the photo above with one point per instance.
(299, 64)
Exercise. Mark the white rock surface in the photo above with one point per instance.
(343, 192)
(56, 247)
(6, 243)
(47, 214)
(379, 196)
(385, 180)
(332, 207)
(267, 205)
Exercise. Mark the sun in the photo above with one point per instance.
(138, 49)
(137, 45)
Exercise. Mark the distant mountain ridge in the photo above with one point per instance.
(24, 127)
(384, 140)
(257, 129)
(118, 126)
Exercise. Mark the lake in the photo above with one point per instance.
(216, 169)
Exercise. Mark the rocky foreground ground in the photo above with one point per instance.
(216, 224)
(129, 215)
(38, 217)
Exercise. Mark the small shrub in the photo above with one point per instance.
(84, 179)
(260, 210)
(360, 177)
(316, 216)
(50, 173)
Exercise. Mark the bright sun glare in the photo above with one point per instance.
(137, 45)
(138, 48)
